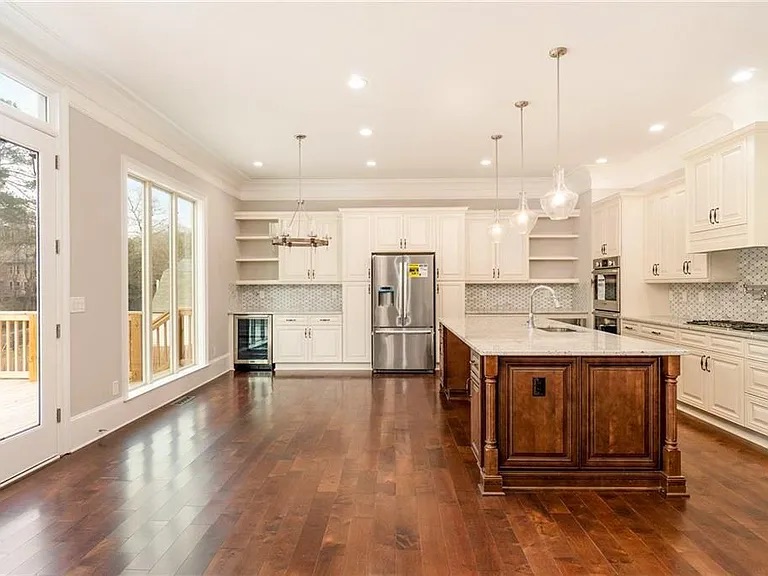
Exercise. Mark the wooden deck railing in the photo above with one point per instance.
(18, 345)
(161, 342)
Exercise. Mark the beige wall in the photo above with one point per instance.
(96, 256)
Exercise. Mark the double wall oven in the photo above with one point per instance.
(606, 294)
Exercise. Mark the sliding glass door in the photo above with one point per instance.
(28, 348)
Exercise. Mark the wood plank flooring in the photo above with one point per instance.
(359, 475)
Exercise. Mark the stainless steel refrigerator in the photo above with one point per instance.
(403, 308)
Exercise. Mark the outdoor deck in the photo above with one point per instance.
(18, 399)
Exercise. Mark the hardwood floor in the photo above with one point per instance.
(349, 475)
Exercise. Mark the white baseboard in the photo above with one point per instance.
(735, 429)
(89, 426)
(308, 367)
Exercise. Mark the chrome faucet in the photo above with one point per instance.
(530, 307)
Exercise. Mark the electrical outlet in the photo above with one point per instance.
(115, 388)
(77, 304)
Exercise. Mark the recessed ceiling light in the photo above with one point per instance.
(485, 162)
(601, 160)
(357, 82)
(656, 127)
(365, 131)
(258, 164)
(371, 163)
(744, 75)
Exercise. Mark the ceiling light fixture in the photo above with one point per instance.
(560, 202)
(601, 160)
(371, 163)
(523, 219)
(496, 229)
(285, 236)
(485, 162)
(366, 132)
(656, 127)
(357, 82)
(258, 164)
(744, 75)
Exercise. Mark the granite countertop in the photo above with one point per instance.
(285, 312)
(509, 336)
(556, 312)
(680, 322)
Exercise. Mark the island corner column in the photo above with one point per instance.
(491, 481)
(674, 484)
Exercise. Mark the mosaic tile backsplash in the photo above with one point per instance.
(722, 300)
(481, 298)
(289, 298)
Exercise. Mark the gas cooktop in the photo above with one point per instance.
(732, 325)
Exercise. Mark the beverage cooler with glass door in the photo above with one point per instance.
(253, 342)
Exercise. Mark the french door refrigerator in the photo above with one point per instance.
(403, 310)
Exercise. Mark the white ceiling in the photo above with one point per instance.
(242, 78)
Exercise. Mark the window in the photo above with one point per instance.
(23, 98)
(162, 281)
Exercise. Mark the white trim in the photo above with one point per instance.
(335, 367)
(165, 380)
(28, 471)
(88, 426)
(34, 81)
(743, 433)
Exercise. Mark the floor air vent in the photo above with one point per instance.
(183, 400)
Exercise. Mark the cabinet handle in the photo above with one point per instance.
(711, 215)
(324, 320)
(717, 215)
(706, 363)
(656, 332)
(313, 274)
(305, 332)
(310, 332)
(369, 288)
(405, 242)
(437, 271)
(307, 274)
(369, 273)
(290, 319)
(437, 289)
(701, 362)
(629, 328)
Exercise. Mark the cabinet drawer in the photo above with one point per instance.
(757, 379)
(659, 333)
(334, 320)
(757, 414)
(290, 320)
(694, 339)
(630, 329)
(727, 345)
(757, 351)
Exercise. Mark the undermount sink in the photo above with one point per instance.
(555, 329)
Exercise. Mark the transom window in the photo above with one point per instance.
(21, 97)
(162, 285)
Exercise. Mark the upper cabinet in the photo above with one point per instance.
(320, 265)
(356, 249)
(506, 262)
(666, 258)
(450, 249)
(606, 228)
(727, 182)
(395, 231)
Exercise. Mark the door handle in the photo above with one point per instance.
(717, 215)
(706, 364)
(711, 215)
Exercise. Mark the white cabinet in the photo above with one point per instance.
(307, 339)
(451, 239)
(393, 231)
(606, 228)
(726, 180)
(727, 385)
(665, 255)
(355, 247)
(450, 299)
(313, 264)
(494, 263)
(357, 323)
(692, 382)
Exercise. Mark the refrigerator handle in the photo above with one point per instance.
(406, 293)
(399, 299)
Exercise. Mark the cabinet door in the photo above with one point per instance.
(698, 183)
(291, 343)
(295, 264)
(668, 255)
(731, 197)
(419, 231)
(450, 247)
(476, 418)
(481, 261)
(652, 220)
(691, 385)
(357, 323)
(325, 260)
(388, 232)
(512, 257)
(598, 234)
(727, 382)
(325, 344)
(450, 299)
(355, 245)
(612, 229)
(698, 265)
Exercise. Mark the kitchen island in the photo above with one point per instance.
(564, 407)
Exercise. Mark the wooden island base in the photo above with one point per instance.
(569, 422)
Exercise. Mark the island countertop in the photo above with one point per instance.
(510, 336)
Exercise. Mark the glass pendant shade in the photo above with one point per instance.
(496, 229)
(523, 219)
(560, 202)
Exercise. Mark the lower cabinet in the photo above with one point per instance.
(307, 339)
(357, 323)
(692, 384)
(727, 377)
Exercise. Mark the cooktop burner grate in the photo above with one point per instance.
(732, 325)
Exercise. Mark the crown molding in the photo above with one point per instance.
(339, 189)
(101, 97)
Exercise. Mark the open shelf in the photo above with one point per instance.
(257, 259)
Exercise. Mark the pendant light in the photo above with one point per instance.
(287, 236)
(496, 229)
(560, 201)
(523, 219)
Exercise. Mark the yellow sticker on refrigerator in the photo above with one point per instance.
(418, 271)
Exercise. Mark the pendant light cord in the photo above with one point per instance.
(522, 161)
(496, 168)
(300, 202)
(558, 110)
